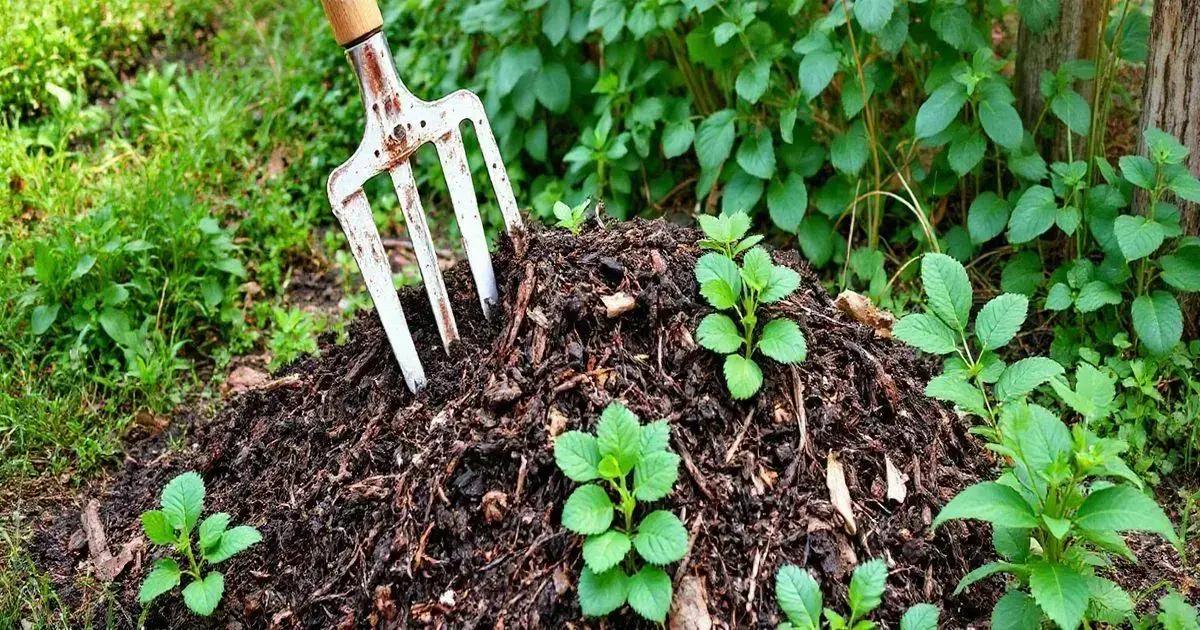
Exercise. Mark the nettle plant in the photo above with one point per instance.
(744, 290)
(800, 597)
(216, 542)
(613, 575)
(1065, 497)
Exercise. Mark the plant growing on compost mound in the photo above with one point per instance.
(1065, 495)
(182, 503)
(611, 576)
(571, 217)
(744, 290)
(800, 597)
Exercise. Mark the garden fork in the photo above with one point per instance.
(397, 124)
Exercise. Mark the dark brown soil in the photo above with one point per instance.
(372, 500)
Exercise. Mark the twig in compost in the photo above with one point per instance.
(694, 472)
(733, 448)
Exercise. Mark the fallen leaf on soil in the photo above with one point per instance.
(863, 311)
(242, 379)
(689, 610)
(839, 494)
(896, 488)
(617, 303)
(558, 423)
(107, 566)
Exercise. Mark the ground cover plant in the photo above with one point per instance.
(800, 598)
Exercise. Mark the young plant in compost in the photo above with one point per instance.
(182, 503)
(571, 217)
(612, 576)
(800, 597)
(1065, 495)
(744, 290)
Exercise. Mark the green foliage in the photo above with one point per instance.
(294, 333)
(611, 574)
(173, 526)
(800, 597)
(726, 286)
(571, 217)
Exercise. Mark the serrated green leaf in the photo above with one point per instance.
(756, 154)
(753, 79)
(656, 436)
(183, 500)
(714, 139)
(953, 389)
(940, 109)
(1000, 319)
(719, 333)
(655, 475)
(873, 15)
(926, 333)
(782, 340)
(212, 528)
(650, 593)
(1016, 611)
(1177, 614)
(992, 502)
(985, 571)
(1158, 321)
(849, 151)
(1060, 592)
(1072, 110)
(920, 617)
(948, 289)
(231, 542)
(1059, 297)
(866, 587)
(677, 138)
(756, 268)
(816, 71)
(1138, 171)
(1122, 509)
(987, 217)
(1096, 295)
(604, 593)
(661, 538)
(604, 551)
(1033, 215)
(1137, 236)
(588, 510)
(164, 577)
(720, 294)
(619, 434)
(158, 530)
(799, 596)
(742, 375)
(203, 596)
(782, 283)
(966, 150)
(1024, 376)
(1182, 269)
(1001, 122)
(787, 202)
(713, 266)
(577, 455)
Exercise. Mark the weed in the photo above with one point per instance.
(800, 597)
(570, 217)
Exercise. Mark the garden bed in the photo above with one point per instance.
(378, 507)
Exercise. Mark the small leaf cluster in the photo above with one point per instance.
(800, 597)
(632, 461)
(571, 217)
(744, 289)
(172, 527)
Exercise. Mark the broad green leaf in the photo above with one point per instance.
(157, 528)
(1158, 321)
(1058, 527)
(1109, 600)
(655, 475)
(183, 500)
(656, 436)
(987, 217)
(577, 455)
(756, 268)
(926, 333)
(1060, 592)
(966, 150)
(1033, 215)
(1024, 376)
(954, 24)
(661, 538)
(552, 87)
(849, 151)
(1163, 147)
(985, 571)
(753, 79)
(43, 317)
(1016, 611)
(1000, 319)
(619, 434)
(1138, 171)
(714, 266)
(714, 139)
(782, 283)
(604, 593)
(555, 20)
(813, 237)
(816, 71)
(212, 528)
(677, 138)
(650, 593)
(719, 333)
(588, 510)
(787, 201)
(743, 376)
(920, 617)
(954, 389)
(1011, 543)
(202, 596)
(948, 289)
(866, 587)
(873, 15)
(756, 154)
(1059, 297)
(1038, 15)
(513, 63)
(1073, 111)
(1002, 123)
(1177, 614)
(940, 109)
(1137, 236)
(1182, 269)
(742, 192)
(783, 341)
(1095, 295)
(992, 502)
(799, 596)
(231, 542)
(604, 551)
(164, 577)
(1121, 509)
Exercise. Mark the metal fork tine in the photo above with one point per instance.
(457, 171)
(496, 171)
(422, 242)
(354, 214)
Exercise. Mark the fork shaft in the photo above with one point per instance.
(422, 242)
(466, 208)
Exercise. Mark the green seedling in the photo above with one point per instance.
(800, 597)
(612, 575)
(569, 217)
(172, 526)
(744, 290)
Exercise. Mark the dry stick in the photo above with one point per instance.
(697, 477)
(758, 556)
(801, 412)
(687, 556)
(733, 448)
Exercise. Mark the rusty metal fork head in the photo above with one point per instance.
(397, 124)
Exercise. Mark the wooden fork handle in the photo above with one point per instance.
(352, 20)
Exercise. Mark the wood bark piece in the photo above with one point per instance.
(839, 494)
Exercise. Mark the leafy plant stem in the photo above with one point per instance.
(875, 218)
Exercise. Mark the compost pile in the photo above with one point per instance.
(381, 508)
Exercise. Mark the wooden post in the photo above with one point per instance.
(1171, 102)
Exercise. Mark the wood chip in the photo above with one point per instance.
(897, 490)
(860, 308)
(689, 610)
(839, 494)
(617, 303)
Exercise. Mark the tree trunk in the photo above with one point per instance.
(1170, 101)
(1075, 35)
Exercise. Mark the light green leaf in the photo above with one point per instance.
(954, 389)
(926, 333)
(920, 617)
(985, 571)
(164, 577)
(743, 376)
(677, 138)
(556, 19)
(1033, 215)
(552, 87)
(992, 502)
(231, 542)
(1060, 592)
(714, 139)
(782, 283)
(873, 15)
(577, 455)
(799, 596)
(650, 593)
(43, 317)
(756, 268)
(588, 510)
(756, 155)
(661, 538)
(719, 333)
(1073, 111)
(787, 202)
(604, 593)
(1001, 122)
(753, 79)
(604, 551)
(1059, 297)
(849, 151)
(816, 71)
(1016, 611)
(1158, 321)
(619, 434)
(656, 436)
(212, 528)
(1182, 269)
(940, 109)
(966, 150)
(783, 341)
(1096, 295)
(948, 289)
(866, 587)
(1000, 319)
(1024, 376)
(1177, 614)
(1122, 509)
(655, 475)
(987, 217)
(713, 266)
(1137, 236)
(183, 500)
(157, 528)
(202, 596)
(1138, 171)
